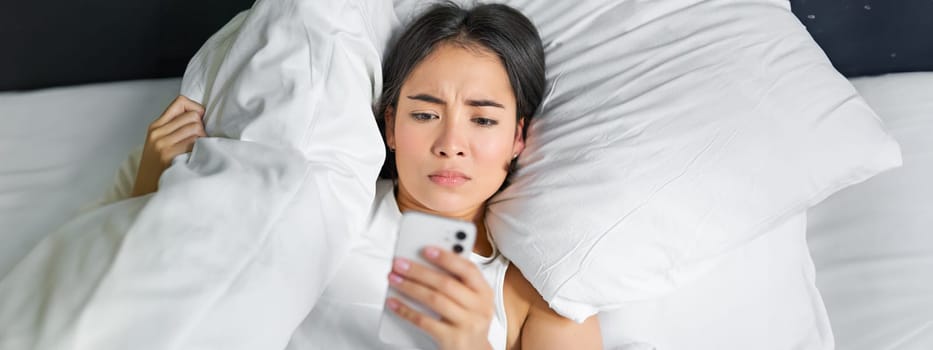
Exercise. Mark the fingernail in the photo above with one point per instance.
(395, 279)
(432, 252)
(402, 265)
(392, 304)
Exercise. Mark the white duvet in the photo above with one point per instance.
(239, 241)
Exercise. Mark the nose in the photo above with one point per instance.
(451, 142)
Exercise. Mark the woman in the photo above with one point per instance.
(460, 86)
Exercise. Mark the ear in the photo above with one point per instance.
(519, 144)
(389, 118)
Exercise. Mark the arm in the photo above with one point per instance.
(545, 329)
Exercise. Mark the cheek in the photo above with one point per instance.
(411, 144)
(409, 139)
(492, 152)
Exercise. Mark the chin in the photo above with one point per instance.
(448, 203)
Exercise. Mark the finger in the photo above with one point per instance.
(180, 105)
(433, 327)
(437, 280)
(185, 146)
(182, 133)
(188, 144)
(461, 267)
(174, 124)
(438, 302)
(165, 143)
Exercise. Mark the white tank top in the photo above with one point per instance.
(347, 314)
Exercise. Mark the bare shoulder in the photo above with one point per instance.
(518, 296)
(538, 326)
(523, 292)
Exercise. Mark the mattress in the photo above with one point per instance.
(60, 148)
(872, 243)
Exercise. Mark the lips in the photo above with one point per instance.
(448, 178)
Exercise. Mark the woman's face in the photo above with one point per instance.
(454, 131)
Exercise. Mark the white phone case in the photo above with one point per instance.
(416, 231)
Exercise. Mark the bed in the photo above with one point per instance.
(871, 244)
(61, 148)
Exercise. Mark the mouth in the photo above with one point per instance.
(450, 178)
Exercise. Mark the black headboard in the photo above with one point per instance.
(871, 37)
(64, 42)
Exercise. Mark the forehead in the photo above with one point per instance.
(455, 71)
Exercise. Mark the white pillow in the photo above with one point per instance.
(673, 132)
(761, 297)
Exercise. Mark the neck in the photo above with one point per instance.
(476, 215)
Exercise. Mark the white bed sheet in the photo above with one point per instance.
(872, 244)
(59, 149)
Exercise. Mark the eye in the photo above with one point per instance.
(485, 121)
(423, 116)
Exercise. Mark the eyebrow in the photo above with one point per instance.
(475, 103)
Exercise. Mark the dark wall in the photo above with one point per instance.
(65, 42)
(871, 37)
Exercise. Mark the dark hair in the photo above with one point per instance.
(494, 27)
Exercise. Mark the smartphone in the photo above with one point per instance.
(416, 231)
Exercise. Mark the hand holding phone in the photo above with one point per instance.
(436, 300)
